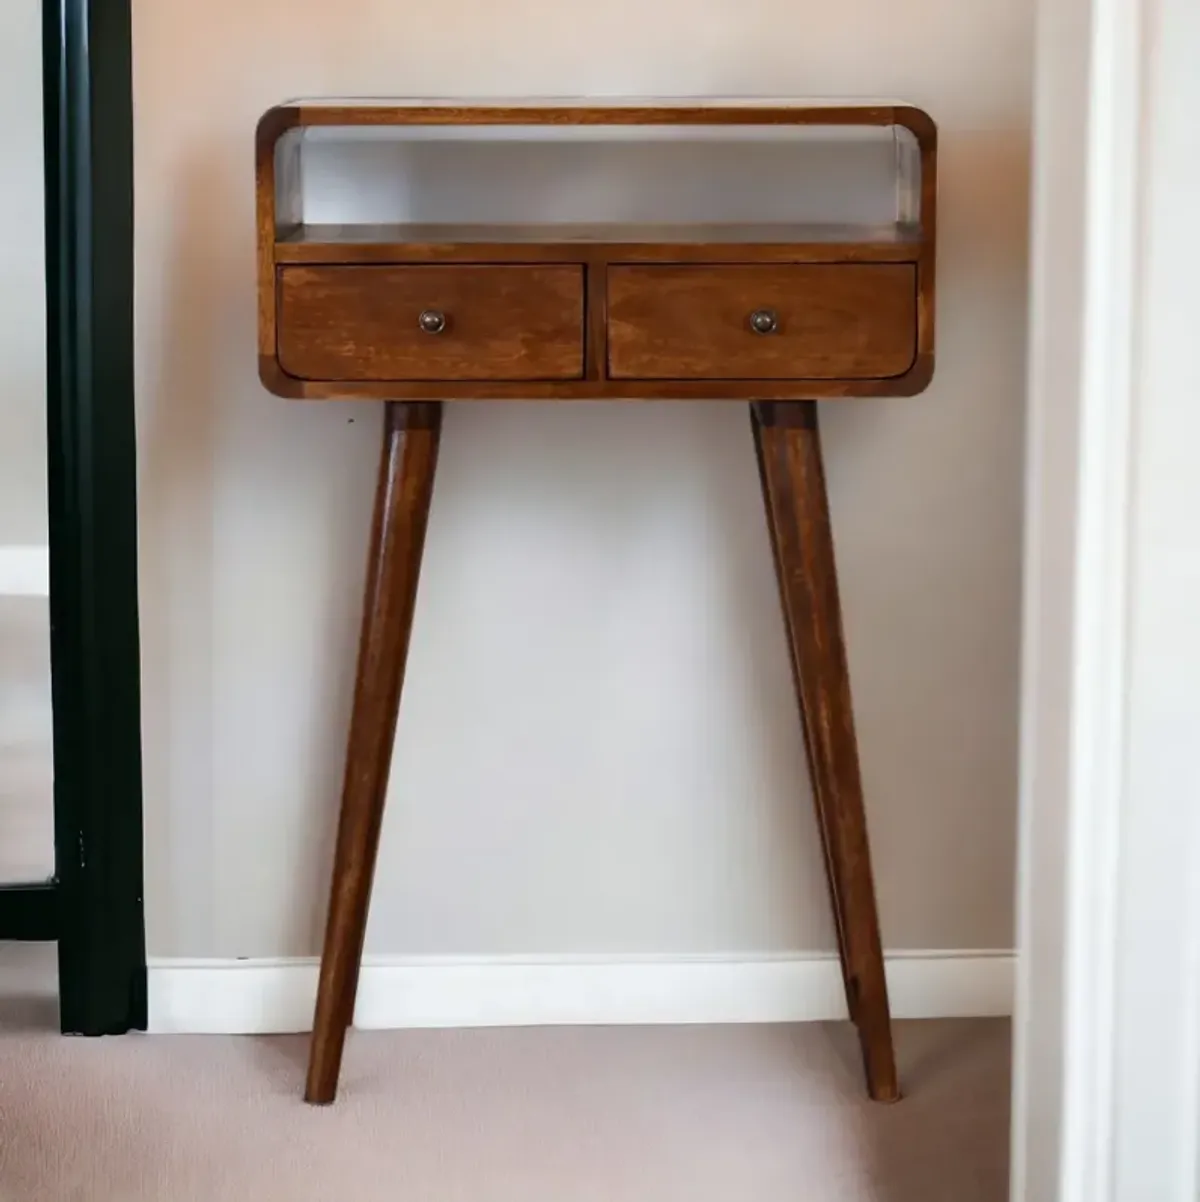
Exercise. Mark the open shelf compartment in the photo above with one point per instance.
(350, 188)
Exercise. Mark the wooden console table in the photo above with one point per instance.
(776, 313)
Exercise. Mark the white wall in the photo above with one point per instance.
(599, 750)
(1156, 1078)
(26, 819)
(1107, 1089)
(22, 288)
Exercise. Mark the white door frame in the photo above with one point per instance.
(1107, 1040)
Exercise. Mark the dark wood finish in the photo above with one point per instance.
(599, 312)
(402, 500)
(316, 112)
(613, 243)
(484, 391)
(271, 127)
(282, 241)
(921, 125)
(788, 445)
(835, 321)
(781, 569)
(362, 323)
(596, 324)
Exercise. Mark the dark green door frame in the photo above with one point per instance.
(93, 907)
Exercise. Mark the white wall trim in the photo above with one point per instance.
(24, 571)
(254, 997)
(1100, 637)
(1107, 1051)
(1075, 635)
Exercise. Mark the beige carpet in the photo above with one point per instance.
(633, 1114)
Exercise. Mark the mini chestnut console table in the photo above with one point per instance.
(779, 310)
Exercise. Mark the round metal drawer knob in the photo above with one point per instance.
(432, 321)
(764, 321)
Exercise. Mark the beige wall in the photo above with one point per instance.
(26, 818)
(22, 278)
(599, 751)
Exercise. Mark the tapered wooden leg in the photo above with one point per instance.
(788, 444)
(403, 493)
(831, 877)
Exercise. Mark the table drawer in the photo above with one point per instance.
(815, 321)
(431, 323)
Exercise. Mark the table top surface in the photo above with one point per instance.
(596, 111)
(613, 102)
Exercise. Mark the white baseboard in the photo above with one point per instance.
(273, 996)
(24, 571)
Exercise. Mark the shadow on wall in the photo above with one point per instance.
(179, 381)
(597, 602)
(599, 682)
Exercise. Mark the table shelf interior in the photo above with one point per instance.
(811, 185)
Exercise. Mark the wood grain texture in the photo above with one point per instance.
(503, 113)
(600, 312)
(781, 569)
(566, 391)
(731, 242)
(923, 128)
(271, 128)
(843, 321)
(280, 241)
(596, 328)
(402, 501)
(363, 323)
(787, 442)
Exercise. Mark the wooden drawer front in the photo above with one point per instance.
(365, 323)
(831, 321)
